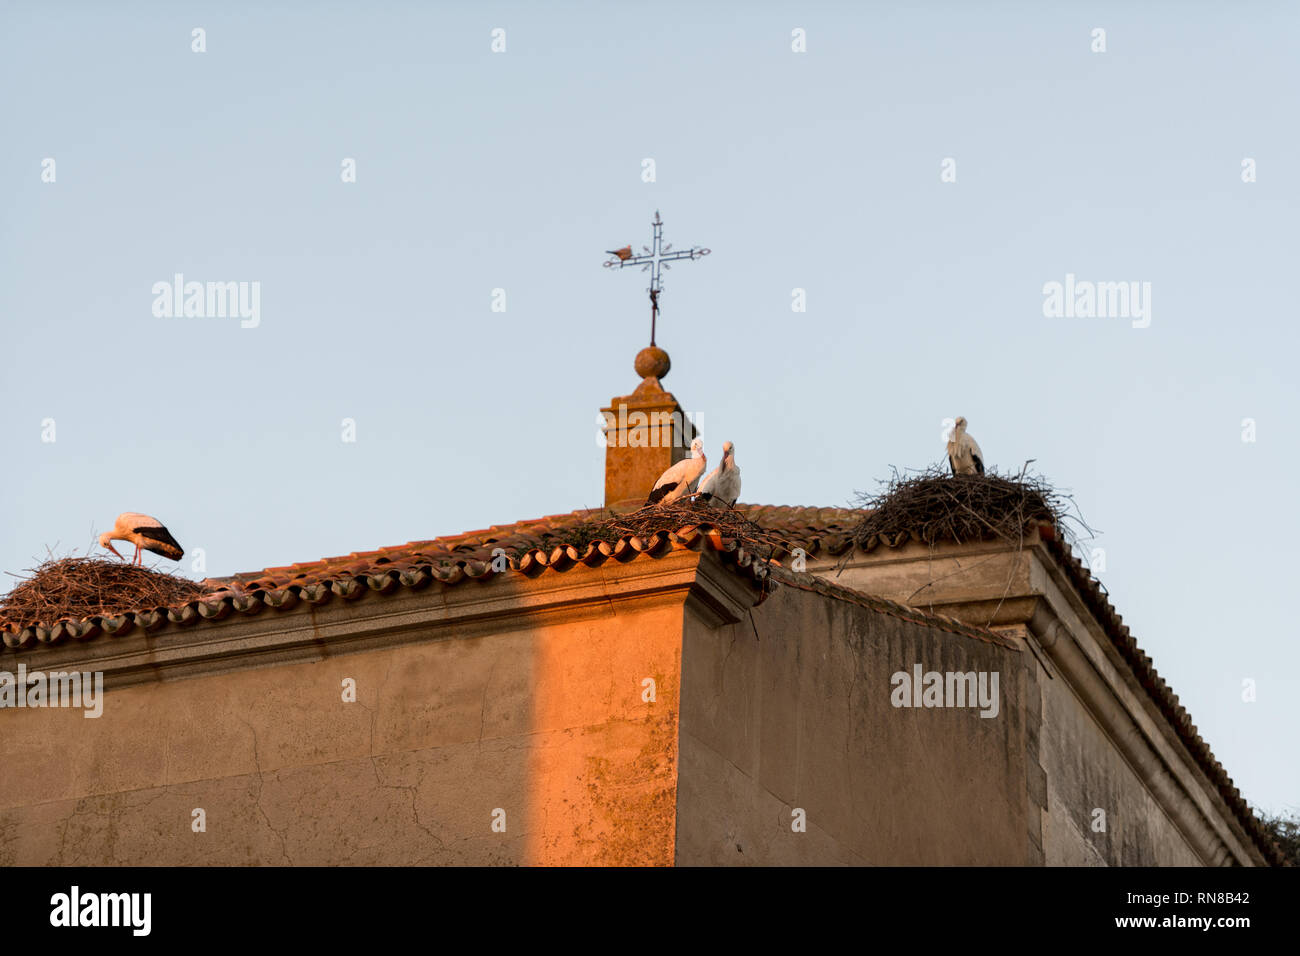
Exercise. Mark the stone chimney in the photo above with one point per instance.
(645, 433)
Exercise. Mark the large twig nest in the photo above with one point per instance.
(76, 588)
(934, 505)
(673, 516)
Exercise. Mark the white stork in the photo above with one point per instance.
(964, 455)
(680, 478)
(146, 533)
(721, 487)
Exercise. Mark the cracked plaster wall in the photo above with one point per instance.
(546, 724)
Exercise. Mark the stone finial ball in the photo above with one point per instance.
(652, 362)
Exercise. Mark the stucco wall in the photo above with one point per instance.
(1086, 773)
(793, 711)
(1099, 741)
(547, 724)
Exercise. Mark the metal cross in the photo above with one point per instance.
(652, 260)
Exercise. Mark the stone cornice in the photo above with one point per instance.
(261, 636)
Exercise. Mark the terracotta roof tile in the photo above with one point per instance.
(816, 530)
(813, 529)
(385, 571)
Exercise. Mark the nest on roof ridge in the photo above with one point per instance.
(933, 505)
(75, 588)
(673, 516)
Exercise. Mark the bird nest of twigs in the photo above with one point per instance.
(933, 505)
(75, 588)
(673, 516)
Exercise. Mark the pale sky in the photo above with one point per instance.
(819, 171)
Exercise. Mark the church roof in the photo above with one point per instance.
(816, 530)
(532, 548)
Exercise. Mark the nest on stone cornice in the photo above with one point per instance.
(75, 588)
(675, 516)
(933, 505)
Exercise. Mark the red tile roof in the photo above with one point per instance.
(529, 547)
(813, 529)
(448, 561)
(468, 548)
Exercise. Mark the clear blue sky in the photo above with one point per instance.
(819, 171)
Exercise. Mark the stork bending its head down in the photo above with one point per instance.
(146, 533)
(680, 478)
(964, 455)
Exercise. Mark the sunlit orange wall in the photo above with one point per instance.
(515, 747)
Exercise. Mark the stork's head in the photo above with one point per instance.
(697, 448)
(960, 423)
(106, 541)
(728, 449)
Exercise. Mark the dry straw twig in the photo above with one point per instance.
(933, 505)
(651, 519)
(74, 588)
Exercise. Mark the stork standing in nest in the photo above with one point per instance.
(964, 455)
(721, 487)
(679, 479)
(146, 533)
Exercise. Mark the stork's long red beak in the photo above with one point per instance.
(109, 545)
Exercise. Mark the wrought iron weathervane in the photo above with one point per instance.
(653, 259)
